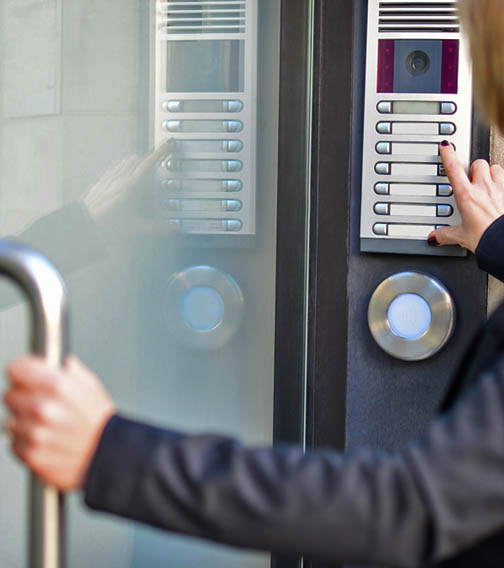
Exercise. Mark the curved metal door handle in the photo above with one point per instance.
(46, 293)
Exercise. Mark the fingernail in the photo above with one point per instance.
(445, 143)
(432, 242)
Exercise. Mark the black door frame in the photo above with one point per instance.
(315, 417)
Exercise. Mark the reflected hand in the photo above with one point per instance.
(480, 200)
(57, 419)
(117, 193)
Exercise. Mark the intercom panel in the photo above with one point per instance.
(205, 99)
(418, 92)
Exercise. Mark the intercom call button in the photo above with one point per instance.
(384, 127)
(447, 128)
(444, 190)
(448, 108)
(383, 148)
(382, 168)
(380, 229)
(444, 210)
(382, 208)
(382, 188)
(384, 107)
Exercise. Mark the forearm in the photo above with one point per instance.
(442, 494)
(490, 250)
(361, 508)
(69, 236)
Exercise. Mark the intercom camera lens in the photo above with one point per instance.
(417, 62)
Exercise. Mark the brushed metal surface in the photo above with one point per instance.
(45, 291)
(442, 309)
(232, 297)
(402, 128)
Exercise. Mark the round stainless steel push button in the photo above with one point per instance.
(411, 316)
(204, 307)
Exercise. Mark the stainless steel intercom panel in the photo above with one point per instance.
(205, 98)
(418, 93)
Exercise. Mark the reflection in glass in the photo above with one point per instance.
(83, 186)
(209, 66)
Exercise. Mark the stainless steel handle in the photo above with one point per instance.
(46, 294)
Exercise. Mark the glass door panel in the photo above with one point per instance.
(170, 265)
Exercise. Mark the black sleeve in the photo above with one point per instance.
(68, 236)
(440, 495)
(490, 249)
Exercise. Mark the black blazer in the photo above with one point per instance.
(441, 496)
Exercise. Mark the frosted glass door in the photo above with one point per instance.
(171, 273)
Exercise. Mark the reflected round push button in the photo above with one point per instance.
(202, 308)
(411, 316)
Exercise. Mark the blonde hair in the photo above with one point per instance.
(483, 21)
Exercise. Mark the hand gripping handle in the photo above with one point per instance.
(45, 290)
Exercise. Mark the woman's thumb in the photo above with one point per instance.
(446, 236)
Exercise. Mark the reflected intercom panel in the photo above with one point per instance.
(205, 98)
(418, 93)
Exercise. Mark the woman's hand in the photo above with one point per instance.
(480, 200)
(114, 200)
(57, 418)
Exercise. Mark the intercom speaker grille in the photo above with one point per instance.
(410, 17)
(205, 17)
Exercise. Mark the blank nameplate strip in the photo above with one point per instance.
(402, 231)
(409, 169)
(204, 165)
(429, 128)
(416, 107)
(209, 146)
(420, 189)
(201, 185)
(414, 210)
(202, 105)
(415, 148)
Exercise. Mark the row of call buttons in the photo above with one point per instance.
(416, 107)
(413, 209)
(410, 168)
(417, 189)
(417, 128)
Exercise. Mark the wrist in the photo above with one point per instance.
(94, 442)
